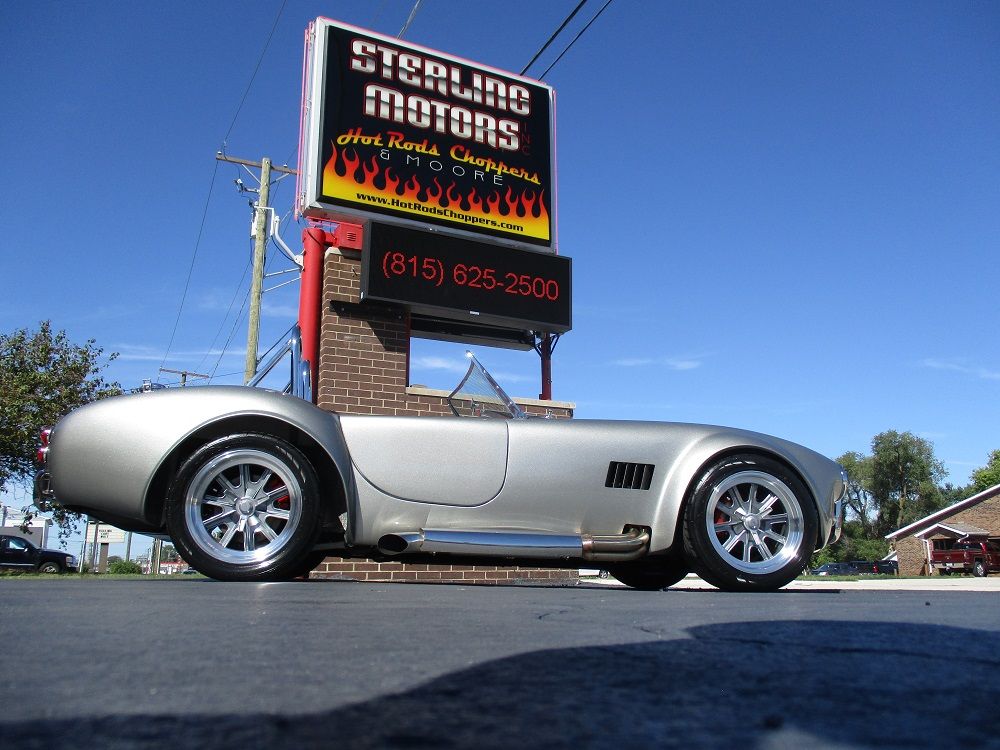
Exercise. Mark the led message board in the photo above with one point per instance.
(464, 280)
(402, 134)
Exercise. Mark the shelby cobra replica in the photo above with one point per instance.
(255, 485)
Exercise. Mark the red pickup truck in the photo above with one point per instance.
(966, 556)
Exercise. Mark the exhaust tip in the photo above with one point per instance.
(395, 544)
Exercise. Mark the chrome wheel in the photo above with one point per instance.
(755, 522)
(243, 506)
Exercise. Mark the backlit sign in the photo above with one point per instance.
(397, 132)
(459, 279)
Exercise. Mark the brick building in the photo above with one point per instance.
(974, 516)
(364, 369)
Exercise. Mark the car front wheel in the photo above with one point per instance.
(245, 508)
(749, 525)
(49, 567)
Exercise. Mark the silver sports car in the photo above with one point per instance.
(254, 485)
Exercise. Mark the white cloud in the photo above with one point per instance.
(633, 362)
(960, 366)
(678, 364)
(142, 353)
(289, 312)
(439, 363)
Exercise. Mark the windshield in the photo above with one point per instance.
(479, 395)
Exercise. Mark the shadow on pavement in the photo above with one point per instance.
(747, 685)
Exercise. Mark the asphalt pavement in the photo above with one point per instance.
(202, 664)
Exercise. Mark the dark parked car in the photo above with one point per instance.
(835, 569)
(20, 554)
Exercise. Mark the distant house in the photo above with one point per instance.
(976, 516)
(35, 531)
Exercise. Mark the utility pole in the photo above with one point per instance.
(184, 374)
(257, 280)
(260, 234)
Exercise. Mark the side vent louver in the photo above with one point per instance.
(626, 476)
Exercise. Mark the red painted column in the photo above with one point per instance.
(545, 352)
(314, 243)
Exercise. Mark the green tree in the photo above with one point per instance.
(43, 376)
(904, 479)
(987, 476)
(861, 505)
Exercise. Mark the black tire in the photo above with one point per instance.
(979, 569)
(944, 572)
(652, 573)
(50, 567)
(750, 524)
(245, 508)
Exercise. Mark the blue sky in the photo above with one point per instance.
(783, 216)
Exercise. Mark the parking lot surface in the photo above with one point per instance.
(197, 663)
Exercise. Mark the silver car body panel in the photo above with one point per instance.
(447, 461)
(555, 476)
(103, 456)
(408, 474)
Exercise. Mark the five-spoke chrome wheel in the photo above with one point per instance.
(749, 525)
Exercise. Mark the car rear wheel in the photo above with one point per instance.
(49, 567)
(749, 525)
(979, 569)
(651, 574)
(245, 508)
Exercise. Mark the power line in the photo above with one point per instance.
(554, 35)
(413, 14)
(603, 8)
(194, 257)
(254, 76)
(211, 187)
(222, 325)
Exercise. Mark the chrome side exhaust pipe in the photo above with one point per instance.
(629, 545)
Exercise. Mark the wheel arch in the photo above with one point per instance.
(731, 452)
(334, 489)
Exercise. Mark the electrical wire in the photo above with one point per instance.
(232, 334)
(208, 199)
(232, 302)
(603, 8)
(413, 14)
(194, 257)
(255, 70)
(554, 35)
(378, 12)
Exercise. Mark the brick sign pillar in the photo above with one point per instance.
(363, 369)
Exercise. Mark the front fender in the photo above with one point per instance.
(821, 476)
(104, 456)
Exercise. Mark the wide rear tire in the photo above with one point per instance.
(245, 508)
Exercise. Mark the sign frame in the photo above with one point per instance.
(474, 155)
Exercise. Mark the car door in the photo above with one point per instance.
(16, 553)
(441, 460)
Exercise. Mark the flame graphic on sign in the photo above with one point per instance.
(367, 183)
